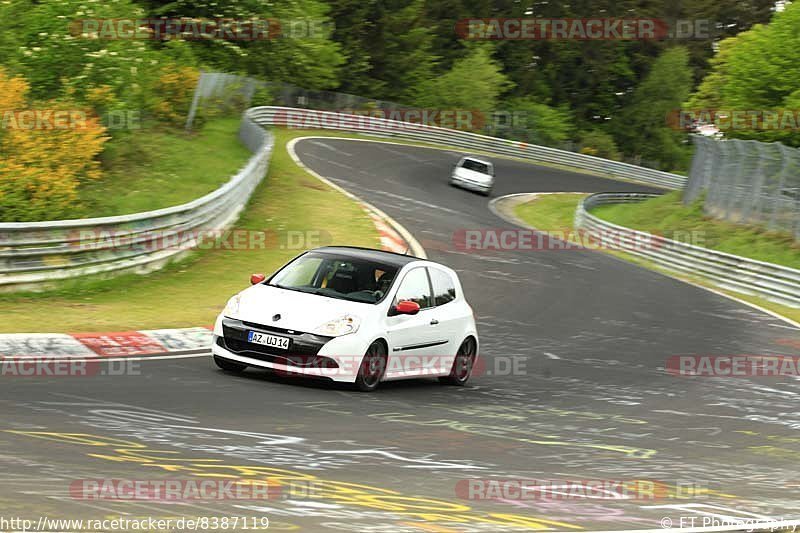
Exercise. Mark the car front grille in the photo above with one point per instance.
(271, 329)
(302, 351)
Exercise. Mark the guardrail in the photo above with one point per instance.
(773, 282)
(34, 253)
(313, 119)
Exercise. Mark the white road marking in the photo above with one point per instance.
(416, 247)
(551, 355)
(332, 148)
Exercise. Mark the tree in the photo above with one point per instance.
(59, 56)
(300, 51)
(757, 71)
(474, 82)
(389, 53)
(43, 160)
(538, 123)
(643, 131)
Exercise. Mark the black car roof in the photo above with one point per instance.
(383, 256)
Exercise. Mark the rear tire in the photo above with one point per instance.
(372, 368)
(462, 364)
(228, 365)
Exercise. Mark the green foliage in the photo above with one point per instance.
(598, 143)
(474, 82)
(668, 216)
(538, 123)
(643, 130)
(50, 51)
(757, 71)
(303, 54)
(388, 46)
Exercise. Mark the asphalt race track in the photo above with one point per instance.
(586, 397)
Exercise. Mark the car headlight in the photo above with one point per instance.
(232, 307)
(337, 327)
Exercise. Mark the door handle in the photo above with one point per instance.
(434, 322)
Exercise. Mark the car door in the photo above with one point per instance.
(411, 338)
(449, 321)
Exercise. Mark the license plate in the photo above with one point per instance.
(268, 340)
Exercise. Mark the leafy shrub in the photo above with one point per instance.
(41, 167)
(173, 91)
(599, 144)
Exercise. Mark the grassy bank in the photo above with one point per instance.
(557, 211)
(551, 211)
(193, 291)
(667, 215)
(155, 168)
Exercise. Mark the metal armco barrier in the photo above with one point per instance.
(311, 119)
(773, 282)
(34, 253)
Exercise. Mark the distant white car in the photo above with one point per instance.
(353, 315)
(473, 173)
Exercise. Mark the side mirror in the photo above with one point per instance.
(255, 279)
(406, 307)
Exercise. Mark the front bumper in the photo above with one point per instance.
(334, 358)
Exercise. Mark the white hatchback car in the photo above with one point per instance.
(352, 315)
(473, 173)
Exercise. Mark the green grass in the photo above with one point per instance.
(668, 216)
(556, 211)
(155, 168)
(551, 211)
(193, 291)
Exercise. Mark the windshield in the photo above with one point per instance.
(477, 166)
(337, 276)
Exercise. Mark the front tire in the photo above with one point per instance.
(462, 364)
(372, 368)
(228, 365)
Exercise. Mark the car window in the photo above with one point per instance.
(415, 287)
(444, 288)
(477, 166)
(335, 276)
(303, 274)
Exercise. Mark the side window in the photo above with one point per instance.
(415, 287)
(444, 289)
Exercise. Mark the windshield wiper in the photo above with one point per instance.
(297, 289)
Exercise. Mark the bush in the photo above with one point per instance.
(539, 123)
(60, 57)
(41, 168)
(173, 91)
(599, 144)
